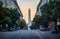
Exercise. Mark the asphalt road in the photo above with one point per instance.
(20, 34)
(29, 34)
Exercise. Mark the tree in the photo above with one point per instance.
(50, 11)
(36, 22)
(8, 16)
(22, 24)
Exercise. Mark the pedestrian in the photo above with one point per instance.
(51, 25)
(58, 24)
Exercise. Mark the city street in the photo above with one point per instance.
(28, 34)
(19, 18)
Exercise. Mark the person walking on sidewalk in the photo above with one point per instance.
(58, 24)
(51, 25)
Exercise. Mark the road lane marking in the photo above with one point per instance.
(39, 35)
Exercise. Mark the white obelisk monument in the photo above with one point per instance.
(29, 18)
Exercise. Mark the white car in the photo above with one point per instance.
(41, 27)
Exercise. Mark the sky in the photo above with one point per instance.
(25, 5)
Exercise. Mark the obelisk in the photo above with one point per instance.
(29, 18)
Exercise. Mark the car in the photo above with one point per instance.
(42, 28)
(11, 29)
(17, 28)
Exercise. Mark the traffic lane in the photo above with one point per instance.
(22, 34)
(49, 35)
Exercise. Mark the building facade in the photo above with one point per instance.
(41, 3)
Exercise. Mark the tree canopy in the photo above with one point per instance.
(49, 11)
